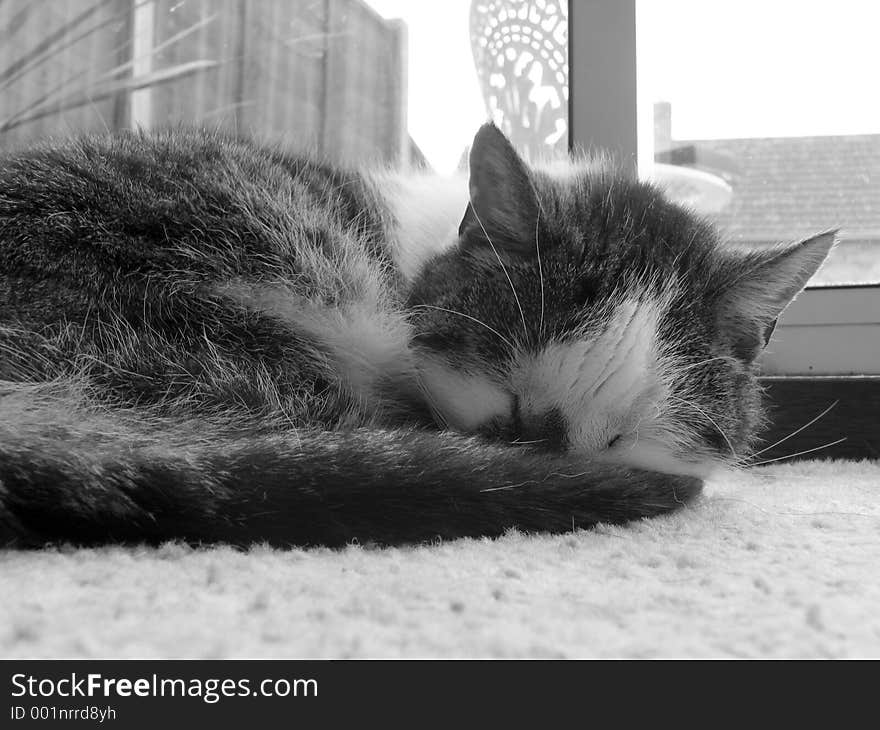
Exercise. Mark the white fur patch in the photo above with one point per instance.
(427, 210)
(464, 401)
(367, 345)
(603, 385)
(645, 453)
(366, 342)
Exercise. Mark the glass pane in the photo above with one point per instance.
(389, 81)
(764, 117)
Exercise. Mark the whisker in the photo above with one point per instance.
(436, 413)
(540, 276)
(702, 362)
(467, 316)
(503, 268)
(507, 486)
(794, 433)
(709, 418)
(541, 212)
(800, 453)
(532, 482)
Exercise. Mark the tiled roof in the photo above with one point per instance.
(789, 187)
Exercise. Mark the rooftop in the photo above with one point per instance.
(790, 187)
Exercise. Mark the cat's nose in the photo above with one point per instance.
(546, 430)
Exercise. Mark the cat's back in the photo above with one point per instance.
(188, 263)
(183, 199)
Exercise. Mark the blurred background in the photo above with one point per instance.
(760, 115)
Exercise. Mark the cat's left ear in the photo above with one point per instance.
(503, 208)
(764, 284)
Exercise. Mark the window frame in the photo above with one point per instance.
(825, 352)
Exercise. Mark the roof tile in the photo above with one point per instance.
(790, 187)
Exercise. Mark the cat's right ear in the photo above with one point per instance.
(762, 285)
(503, 208)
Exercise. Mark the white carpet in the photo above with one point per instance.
(780, 562)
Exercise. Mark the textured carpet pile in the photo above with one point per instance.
(782, 561)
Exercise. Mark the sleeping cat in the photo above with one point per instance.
(206, 339)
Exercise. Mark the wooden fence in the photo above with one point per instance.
(322, 74)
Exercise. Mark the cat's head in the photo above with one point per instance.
(581, 310)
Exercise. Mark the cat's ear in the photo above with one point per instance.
(503, 208)
(764, 284)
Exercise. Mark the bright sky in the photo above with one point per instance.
(762, 68)
(445, 103)
(730, 68)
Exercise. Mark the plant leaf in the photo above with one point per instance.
(99, 92)
(46, 49)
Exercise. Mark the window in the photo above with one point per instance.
(776, 116)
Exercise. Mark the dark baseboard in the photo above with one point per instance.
(795, 401)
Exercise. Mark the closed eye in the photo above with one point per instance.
(612, 442)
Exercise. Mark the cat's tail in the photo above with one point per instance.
(90, 480)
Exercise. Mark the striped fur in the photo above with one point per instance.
(206, 339)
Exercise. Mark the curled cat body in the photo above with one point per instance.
(211, 340)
